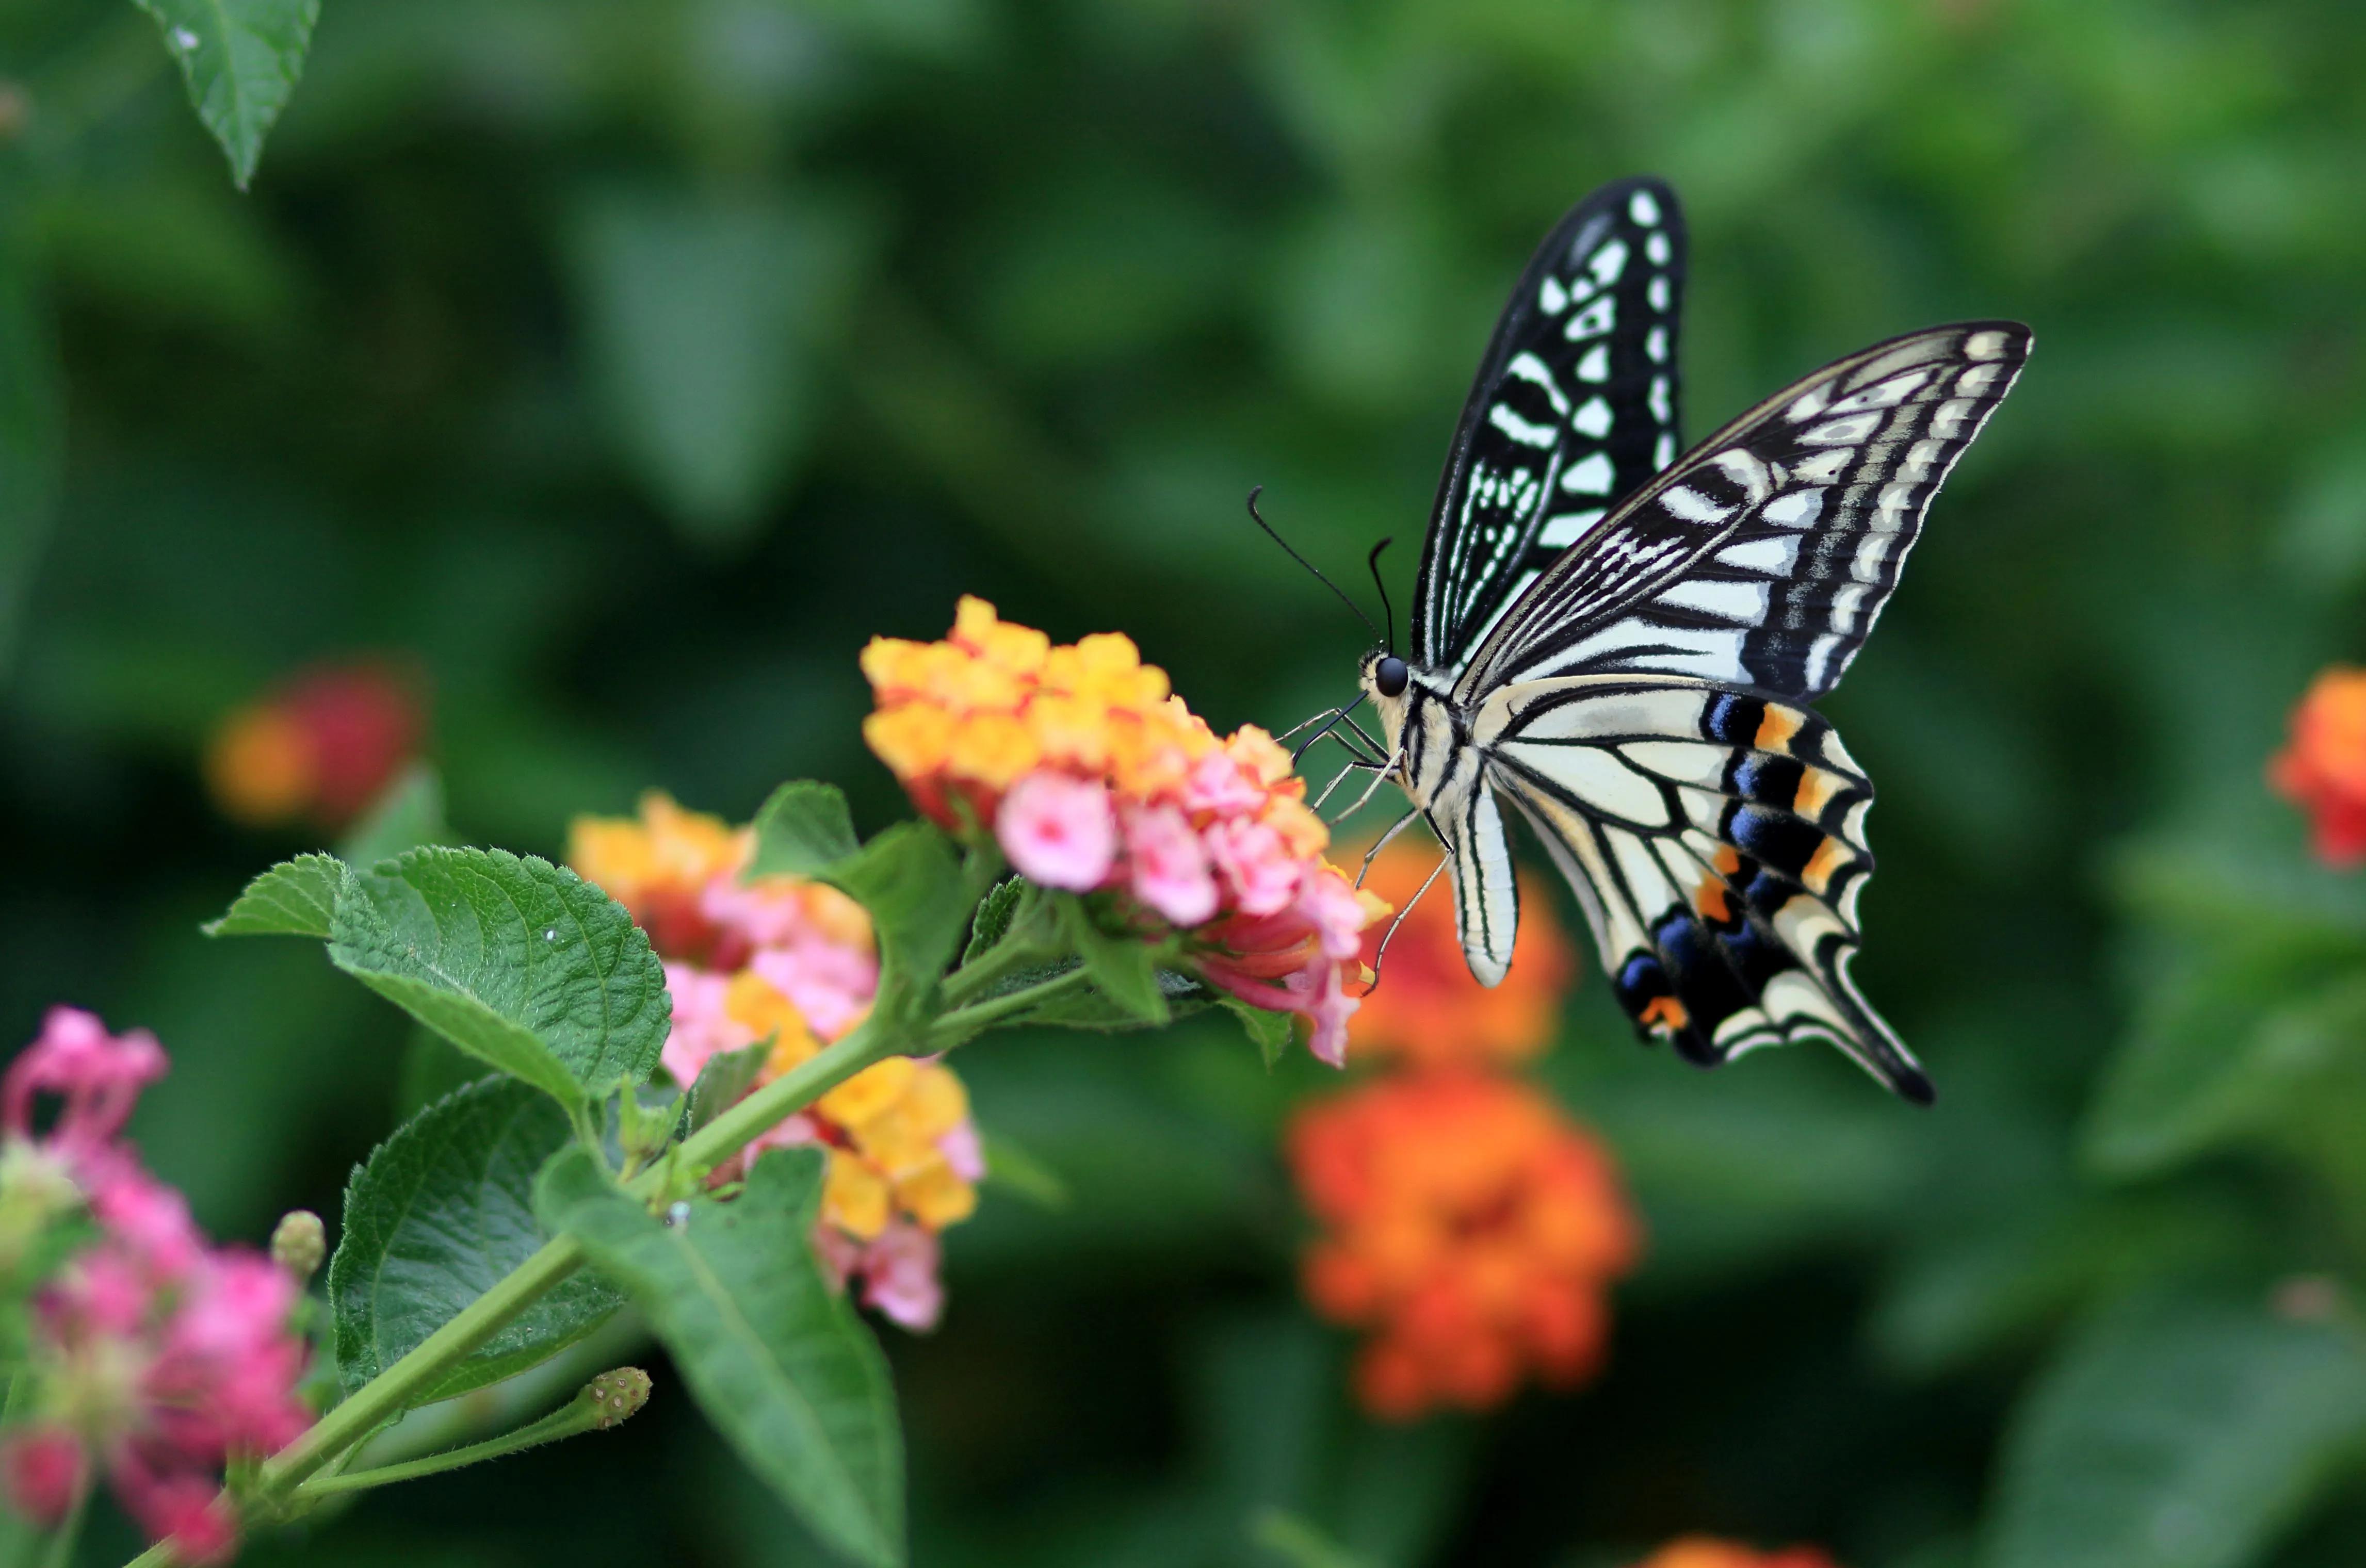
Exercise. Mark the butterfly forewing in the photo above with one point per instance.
(1762, 558)
(1574, 407)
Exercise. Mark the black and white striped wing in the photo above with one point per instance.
(1717, 843)
(1762, 556)
(1573, 408)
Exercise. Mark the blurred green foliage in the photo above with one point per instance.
(625, 364)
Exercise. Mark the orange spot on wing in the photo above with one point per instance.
(1823, 863)
(1727, 859)
(1776, 730)
(1664, 1012)
(1817, 789)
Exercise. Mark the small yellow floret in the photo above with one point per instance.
(913, 740)
(854, 1197)
(1017, 649)
(993, 749)
(1302, 833)
(937, 1197)
(870, 1092)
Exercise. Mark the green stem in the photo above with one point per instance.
(393, 1390)
(582, 1414)
(157, 1556)
(963, 1022)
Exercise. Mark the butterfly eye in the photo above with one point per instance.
(1389, 676)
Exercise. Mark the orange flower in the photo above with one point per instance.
(1093, 777)
(2323, 766)
(1707, 1551)
(319, 748)
(1427, 1010)
(1470, 1227)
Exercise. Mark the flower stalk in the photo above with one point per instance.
(606, 1400)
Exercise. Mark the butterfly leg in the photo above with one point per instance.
(1372, 854)
(1380, 777)
(1381, 952)
(1336, 780)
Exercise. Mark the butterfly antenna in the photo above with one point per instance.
(1386, 610)
(1303, 561)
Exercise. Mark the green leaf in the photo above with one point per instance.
(774, 1355)
(2176, 1434)
(995, 912)
(910, 881)
(408, 814)
(2223, 1048)
(30, 418)
(707, 318)
(520, 963)
(1268, 1031)
(727, 1076)
(439, 1214)
(240, 60)
(1123, 966)
(295, 898)
(802, 830)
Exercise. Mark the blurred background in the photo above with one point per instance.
(596, 375)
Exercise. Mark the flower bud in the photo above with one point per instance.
(616, 1394)
(298, 1244)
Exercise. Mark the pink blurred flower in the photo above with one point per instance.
(964, 1151)
(1219, 785)
(45, 1473)
(98, 1074)
(831, 983)
(1301, 960)
(899, 1271)
(1060, 832)
(1167, 868)
(703, 1025)
(1258, 864)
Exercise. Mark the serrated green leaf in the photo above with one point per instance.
(804, 829)
(727, 1076)
(295, 898)
(240, 60)
(2176, 1434)
(774, 1356)
(517, 961)
(408, 814)
(995, 912)
(437, 1215)
(1123, 967)
(1268, 1031)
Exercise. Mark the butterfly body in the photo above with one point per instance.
(1620, 646)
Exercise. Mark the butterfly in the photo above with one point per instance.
(1621, 645)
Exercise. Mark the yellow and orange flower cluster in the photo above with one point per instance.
(1707, 1551)
(317, 749)
(1092, 776)
(791, 962)
(2322, 767)
(1430, 1011)
(1470, 1227)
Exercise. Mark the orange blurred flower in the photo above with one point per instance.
(319, 748)
(1470, 1226)
(1427, 1010)
(2322, 767)
(1091, 776)
(1707, 1551)
(783, 960)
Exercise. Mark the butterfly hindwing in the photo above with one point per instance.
(1762, 558)
(1574, 407)
(1715, 840)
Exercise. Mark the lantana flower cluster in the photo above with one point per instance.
(319, 748)
(1469, 1225)
(1092, 776)
(2322, 767)
(152, 1355)
(793, 962)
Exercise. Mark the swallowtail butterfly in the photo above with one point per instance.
(1621, 644)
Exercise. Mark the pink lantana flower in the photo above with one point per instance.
(1302, 959)
(1257, 863)
(1060, 832)
(1167, 869)
(899, 1271)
